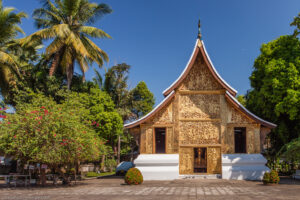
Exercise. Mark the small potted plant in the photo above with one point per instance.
(271, 178)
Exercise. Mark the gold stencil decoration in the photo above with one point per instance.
(200, 78)
(214, 160)
(200, 106)
(199, 132)
(186, 159)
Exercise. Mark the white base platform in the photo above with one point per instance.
(158, 166)
(243, 166)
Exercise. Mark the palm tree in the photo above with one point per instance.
(8, 60)
(65, 22)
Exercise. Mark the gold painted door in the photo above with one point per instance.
(214, 160)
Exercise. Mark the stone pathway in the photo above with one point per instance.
(173, 190)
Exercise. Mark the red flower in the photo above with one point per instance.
(46, 112)
(97, 125)
(8, 123)
(2, 116)
(43, 107)
(94, 123)
(33, 112)
(15, 136)
(54, 135)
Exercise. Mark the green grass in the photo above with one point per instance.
(94, 174)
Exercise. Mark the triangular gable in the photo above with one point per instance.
(200, 49)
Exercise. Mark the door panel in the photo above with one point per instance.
(214, 160)
(160, 140)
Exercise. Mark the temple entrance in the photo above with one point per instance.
(160, 140)
(240, 139)
(200, 160)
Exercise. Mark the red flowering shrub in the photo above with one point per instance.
(271, 177)
(133, 177)
(46, 132)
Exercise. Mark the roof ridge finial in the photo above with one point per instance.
(199, 30)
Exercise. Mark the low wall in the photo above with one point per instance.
(158, 166)
(243, 166)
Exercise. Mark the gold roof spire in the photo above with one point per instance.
(199, 30)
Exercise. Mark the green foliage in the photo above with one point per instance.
(276, 84)
(271, 177)
(291, 150)
(100, 110)
(111, 164)
(67, 24)
(9, 59)
(266, 178)
(241, 99)
(133, 177)
(92, 174)
(115, 85)
(43, 131)
(142, 100)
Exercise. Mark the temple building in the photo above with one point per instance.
(200, 129)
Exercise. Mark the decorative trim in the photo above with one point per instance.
(200, 145)
(199, 120)
(201, 91)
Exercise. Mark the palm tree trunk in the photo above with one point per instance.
(70, 72)
(55, 62)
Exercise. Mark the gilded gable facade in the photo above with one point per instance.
(199, 114)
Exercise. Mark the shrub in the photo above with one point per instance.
(92, 174)
(266, 178)
(110, 164)
(274, 178)
(133, 177)
(271, 177)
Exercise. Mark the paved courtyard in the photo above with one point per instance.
(172, 190)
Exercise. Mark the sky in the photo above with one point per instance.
(156, 38)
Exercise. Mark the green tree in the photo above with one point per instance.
(102, 113)
(115, 85)
(46, 132)
(65, 22)
(241, 99)
(291, 150)
(9, 26)
(142, 100)
(275, 93)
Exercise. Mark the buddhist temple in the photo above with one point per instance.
(200, 129)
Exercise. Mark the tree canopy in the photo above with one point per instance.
(142, 100)
(276, 88)
(66, 23)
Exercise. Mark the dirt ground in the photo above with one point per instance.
(114, 188)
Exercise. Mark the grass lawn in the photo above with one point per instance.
(95, 174)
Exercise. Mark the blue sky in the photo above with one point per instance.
(157, 37)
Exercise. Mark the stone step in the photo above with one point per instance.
(200, 176)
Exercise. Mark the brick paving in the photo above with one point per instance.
(197, 189)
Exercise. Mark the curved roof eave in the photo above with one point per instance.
(233, 100)
(189, 65)
(150, 114)
(191, 61)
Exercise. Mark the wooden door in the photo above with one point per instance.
(160, 140)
